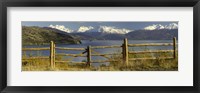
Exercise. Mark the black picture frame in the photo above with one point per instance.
(98, 3)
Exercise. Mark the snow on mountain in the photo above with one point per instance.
(154, 27)
(172, 26)
(113, 30)
(159, 26)
(62, 28)
(85, 28)
(103, 29)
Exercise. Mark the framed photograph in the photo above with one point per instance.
(99, 46)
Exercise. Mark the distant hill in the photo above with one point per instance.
(99, 36)
(162, 34)
(32, 35)
(113, 37)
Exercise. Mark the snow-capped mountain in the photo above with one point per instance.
(104, 32)
(154, 27)
(62, 28)
(113, 30)
(103, 29)
(159, 26)
(84, 29)
(172, 26)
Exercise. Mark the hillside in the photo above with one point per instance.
(40, 36)
(162, 34)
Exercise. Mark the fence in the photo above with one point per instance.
(89, 51)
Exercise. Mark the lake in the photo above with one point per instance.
(86, 43)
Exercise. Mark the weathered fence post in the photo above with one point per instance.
(52, 55)
(125, 51)
(88, 55)
(174, 47)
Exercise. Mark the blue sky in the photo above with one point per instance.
(76, 24)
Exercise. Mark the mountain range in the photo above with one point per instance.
(60, 34)
(112, 29)
(151, 32)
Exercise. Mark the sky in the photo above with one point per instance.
(74, 25)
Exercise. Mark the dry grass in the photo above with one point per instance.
(138, 65)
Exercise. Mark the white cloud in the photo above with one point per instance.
(85, 28)
(113, 30)
(62, 28)
(159, 26)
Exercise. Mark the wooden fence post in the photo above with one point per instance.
(125, 51)
(174, 47)
(52, 54)
(88, 55)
